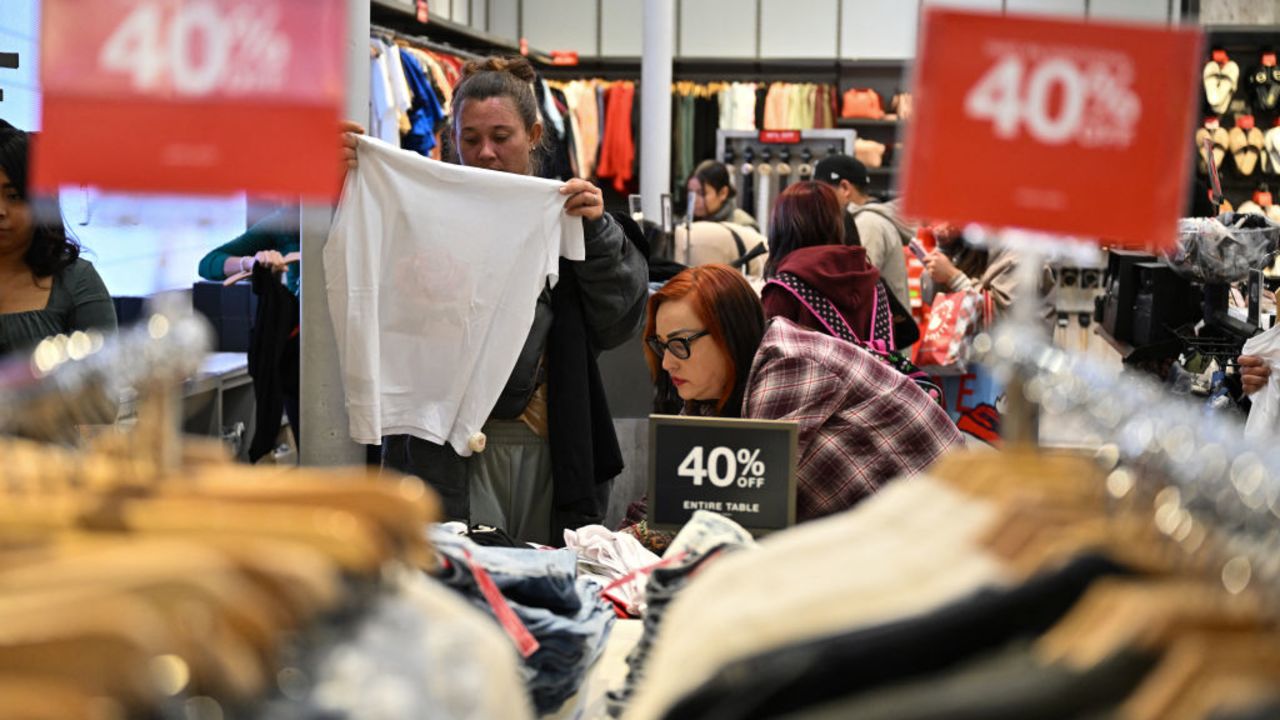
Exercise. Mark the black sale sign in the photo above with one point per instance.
(742, 469)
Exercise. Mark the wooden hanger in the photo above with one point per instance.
(33, 698)
(1200, 668)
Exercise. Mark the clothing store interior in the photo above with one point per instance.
(805, 359)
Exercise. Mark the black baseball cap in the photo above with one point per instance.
(834, 168)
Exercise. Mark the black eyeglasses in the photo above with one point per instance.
(678, 346)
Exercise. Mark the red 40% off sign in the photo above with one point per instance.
(192, 95)
(1065, 127)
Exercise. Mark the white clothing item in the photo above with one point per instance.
(706, 531)
(550, 110)
(400, 90)
(383, 121)
(1264, 418)
(433, 273)
(609, 556)
(908, 549)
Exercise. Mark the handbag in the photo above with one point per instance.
(836, 326)
(862, 103)
(954, 320)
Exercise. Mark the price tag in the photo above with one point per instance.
(779, 137)
(1065, 127)
(204, 96)
(742, 469)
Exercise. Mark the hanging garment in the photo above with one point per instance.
(549, 109)
(273, 358)
(744, 106)
(426, 112)
(400, 91)
(582, 101)
(617, 151)
(384, 123)
(573, 131)
(433, 273)
(704, 129)
(439, 79)
(775, 110)
(554, 154)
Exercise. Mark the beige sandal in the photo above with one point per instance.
(1220, 84)
(1247, 145)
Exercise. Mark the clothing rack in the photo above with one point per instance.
(1202, 472)
(422, 42)
(76, 379)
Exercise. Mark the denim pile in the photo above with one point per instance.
(559, 622)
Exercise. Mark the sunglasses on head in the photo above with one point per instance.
(678, 346)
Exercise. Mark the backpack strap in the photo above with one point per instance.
(882, 317)
(737, 239)
(818, 305)
(826, 313)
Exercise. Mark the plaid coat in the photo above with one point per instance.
(861, 422)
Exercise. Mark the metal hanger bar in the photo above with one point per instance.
(423, 42)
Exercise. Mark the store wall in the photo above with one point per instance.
(19, 22)
(1240, 12)
(764, 29)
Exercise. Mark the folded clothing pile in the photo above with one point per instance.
(617, 560)
(558, 621)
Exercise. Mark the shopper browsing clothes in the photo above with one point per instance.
(876, 226)
(46, 288)
(818, 282)
(714, 196)
(711, 352)
(547, 462)
(275, 345)
(957, 265)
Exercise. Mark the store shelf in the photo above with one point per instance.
(401, 15)
(867, 122)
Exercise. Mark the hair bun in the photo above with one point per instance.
(515, 65)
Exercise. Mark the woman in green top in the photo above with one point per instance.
(267, 242)
(46, 288)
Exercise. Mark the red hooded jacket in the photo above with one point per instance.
(841, 273)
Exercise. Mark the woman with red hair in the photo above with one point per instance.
(711, 352)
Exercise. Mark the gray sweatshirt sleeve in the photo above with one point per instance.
(614, 279)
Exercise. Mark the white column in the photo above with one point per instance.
(325, 440)
(655, 105)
